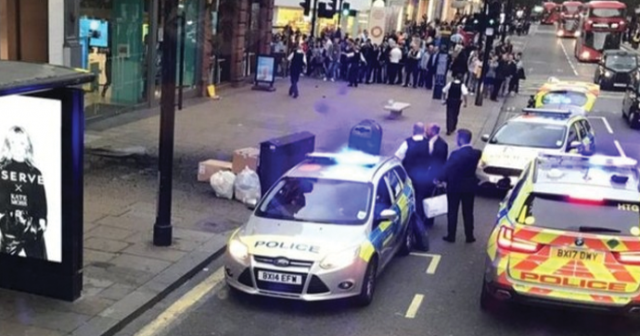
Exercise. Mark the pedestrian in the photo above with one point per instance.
(411, 66)
(395, 55)
(354, 58)
(454, 94)
(438, 153)
(297, 60)
(432, 65)
(459, 174)
(414, 154)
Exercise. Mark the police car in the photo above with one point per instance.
(568, 234)
(325, 230)
(553, 128)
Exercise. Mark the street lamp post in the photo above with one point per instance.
(162, 229)
(508, 9)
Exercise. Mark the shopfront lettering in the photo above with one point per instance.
(19, 177)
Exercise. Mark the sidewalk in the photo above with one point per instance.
(124, 273)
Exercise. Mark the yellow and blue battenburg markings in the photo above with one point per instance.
(383, 235)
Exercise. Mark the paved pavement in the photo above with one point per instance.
(416, 295)
(124, 273)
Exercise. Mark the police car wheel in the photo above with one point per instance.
(633, 120)
(488, 302)
(368, 284)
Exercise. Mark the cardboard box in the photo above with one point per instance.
(245, 157)
(207, 168)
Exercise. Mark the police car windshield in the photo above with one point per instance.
(565, 97)
(318, 201)
(530, 134)
(586, 215)
(623, 62)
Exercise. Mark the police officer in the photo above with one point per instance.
(453, 95)
(354, 58)
(414, 153)
(297, 60)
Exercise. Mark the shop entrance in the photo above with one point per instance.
(24, 27)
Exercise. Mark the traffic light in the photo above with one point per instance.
(324, 12)
(346, 9)
(306, 5)
(493, 17)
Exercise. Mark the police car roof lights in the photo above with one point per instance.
(351, 157)
(549, 112)
(596, 160)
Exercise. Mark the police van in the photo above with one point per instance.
(325, 230)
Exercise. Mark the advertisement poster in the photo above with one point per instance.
(265, 69)
(31, 178)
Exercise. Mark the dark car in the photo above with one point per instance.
(616, 69)
(631, 102)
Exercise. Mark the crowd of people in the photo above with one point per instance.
(408, 58)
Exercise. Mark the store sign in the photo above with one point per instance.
(265, 69)
(30, 178)
(377, 24)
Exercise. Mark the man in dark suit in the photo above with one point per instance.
(460, 175)
(438, 152)
(432, 65)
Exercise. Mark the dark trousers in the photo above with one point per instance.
(392, 71)
(454, 199)
(428, 82)
(496, 88)
(293, 89)
(412, 75)
(514, 84)
(354, 73)
(377, 74)
(453, 111)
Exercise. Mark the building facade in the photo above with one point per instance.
(290, 13)
(121, 42)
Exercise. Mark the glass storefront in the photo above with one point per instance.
(120, 47)
(294, 17)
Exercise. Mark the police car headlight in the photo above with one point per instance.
(608, 74)
(340, 259)
(239, 250)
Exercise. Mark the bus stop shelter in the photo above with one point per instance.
(41, 178)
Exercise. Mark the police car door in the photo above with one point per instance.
(382, 230)
(399, 205)
(572, 137)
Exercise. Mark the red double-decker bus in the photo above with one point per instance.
(569, 22)
(602, 27)
(550, 13)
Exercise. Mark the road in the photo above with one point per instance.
(436, 294)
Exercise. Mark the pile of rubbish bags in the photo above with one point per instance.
(244, 187)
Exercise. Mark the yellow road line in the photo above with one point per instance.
(181, 306)
(414, 306)
(435, 261)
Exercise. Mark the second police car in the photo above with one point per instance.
(568, 234)
(552, 129)
(575, 93)
(325, 230)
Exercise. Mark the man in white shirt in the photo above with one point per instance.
(395, 56)
(453, 95)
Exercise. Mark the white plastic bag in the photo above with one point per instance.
(222, 183)
(247, 186)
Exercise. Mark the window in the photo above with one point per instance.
(383, 199)
(586, 125)
(622, 62)
(565, 97)
(573, 134)
(602, 40)
(530, 134)
(581, 131)
(317, 201)
(394, 183)
(571, 214)
(607, 13)
(402, 174)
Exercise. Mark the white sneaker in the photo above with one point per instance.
(333, 79)
(324, 79)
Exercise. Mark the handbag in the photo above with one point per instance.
(436, 205)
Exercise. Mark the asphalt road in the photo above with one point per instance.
(450, 291)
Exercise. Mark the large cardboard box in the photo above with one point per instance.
(245, 157)
(207, 168)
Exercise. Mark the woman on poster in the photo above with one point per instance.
(23, 202)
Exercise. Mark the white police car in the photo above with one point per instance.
(551, 129)
(325, 230)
